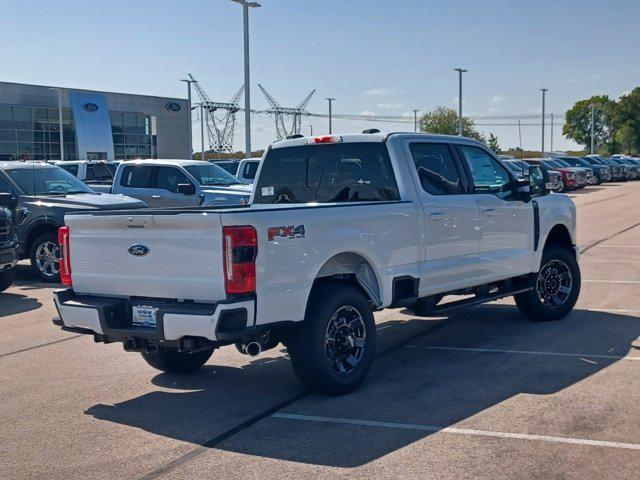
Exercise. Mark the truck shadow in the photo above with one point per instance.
(13, 303)
(413, 384)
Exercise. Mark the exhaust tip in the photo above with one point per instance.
(253, 349)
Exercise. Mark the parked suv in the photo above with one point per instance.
(521, 168)
(98, 174)
(179, 183)
(40, 196)
(8, 253)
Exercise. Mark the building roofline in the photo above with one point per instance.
(92, 91)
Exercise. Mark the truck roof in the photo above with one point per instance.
(378, 137)
(18, 164)
(165, 161)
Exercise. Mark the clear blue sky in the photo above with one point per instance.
(385, 57)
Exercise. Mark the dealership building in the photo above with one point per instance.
(95, 125)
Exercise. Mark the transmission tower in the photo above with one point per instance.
(282, 114)
(220, 128)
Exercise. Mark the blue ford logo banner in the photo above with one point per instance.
(90, 107)
(173, 106)
(138, 250)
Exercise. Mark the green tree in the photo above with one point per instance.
(628, 120)
(577, 125)
(493, 144)
(444, 121)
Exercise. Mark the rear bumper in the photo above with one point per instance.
(110, 319)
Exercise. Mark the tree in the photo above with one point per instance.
(577, 125)
(628, 119)
(493, 144)
(444, 121)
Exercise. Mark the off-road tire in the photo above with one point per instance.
(307, 344)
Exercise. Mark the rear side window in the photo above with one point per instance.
(343, 172)
(99, 171)
(136, 176)
(250, 169)
(436, 168)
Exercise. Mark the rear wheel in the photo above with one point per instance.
(6, 279)
(333, 350)
(173, 361)
(556, 286)
(45, 257)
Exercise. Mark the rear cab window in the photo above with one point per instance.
(250, 169)
(340, 172)
(72, 169)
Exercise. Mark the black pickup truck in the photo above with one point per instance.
(8, 242)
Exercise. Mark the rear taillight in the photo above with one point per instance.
(240, 248)
(65, 260)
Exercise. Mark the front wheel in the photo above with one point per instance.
(173, 361)
(333, 350)
(45, 257)
(556, 286)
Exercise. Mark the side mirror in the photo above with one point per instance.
(186, 188)
(6, 200)
(538, 181)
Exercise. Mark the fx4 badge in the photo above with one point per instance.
(285, 232)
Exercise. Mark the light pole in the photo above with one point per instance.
(311, 128)
(551, 133)
(247, 83)
(415, 120)
(330, 100)
(593, 118)
(544, 94)
(189, 82)
(61, 136)
(460, 72)
(520, 137)
(202, 155)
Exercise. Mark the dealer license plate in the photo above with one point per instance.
(143, 315)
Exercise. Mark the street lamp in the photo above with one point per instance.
(247, 93)
(330, 101)
(61, 136)
(593, 118)
(415, 120)
(544, 93)
(201, 106)
(189, 82)
(460, 72)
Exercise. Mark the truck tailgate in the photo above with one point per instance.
(174, 256)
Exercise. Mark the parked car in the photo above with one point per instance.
(40, 196)
(247, 170)
(521, 168)
(569, 176)
(577, 163)
(631, 172)
(98, 174)
(583, 175)
(179, 183)
(230, 166)
(615, 172)
(340, 226)
(8, 243)
(601, 173)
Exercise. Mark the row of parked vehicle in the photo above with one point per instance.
(568, 173)
(35, 197)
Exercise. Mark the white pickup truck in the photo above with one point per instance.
(338, 227)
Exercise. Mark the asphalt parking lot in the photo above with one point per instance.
(481, 394)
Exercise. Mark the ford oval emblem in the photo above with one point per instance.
(90, 107)
(139, 250)
(173, 107)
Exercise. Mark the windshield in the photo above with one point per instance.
(550, 164)
(212, 175)
(47, 181)
(562, 163)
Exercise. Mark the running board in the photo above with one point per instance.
(470, 302)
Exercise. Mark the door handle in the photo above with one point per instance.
(157, 197)
(436, 216)
(490, 212)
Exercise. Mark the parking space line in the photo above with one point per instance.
(41, 345)
(524, 352)
(612, 281)
(457, 431)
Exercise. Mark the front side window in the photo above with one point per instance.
(436, 168)
(340, 172)
(169, 178)
(136, 176)
(47, 181)
(488, 175)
